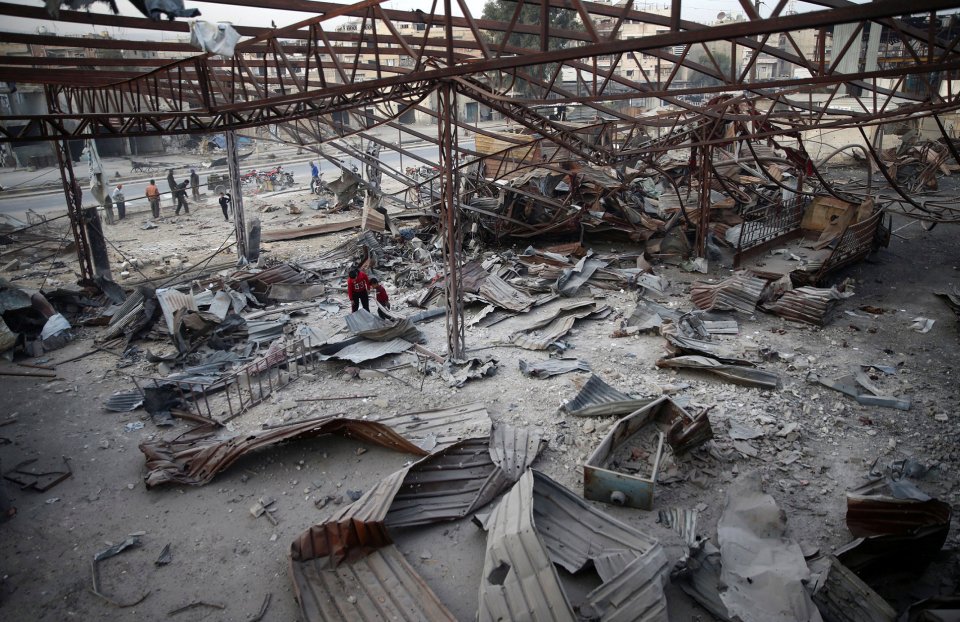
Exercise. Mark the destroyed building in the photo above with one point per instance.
(665, 325)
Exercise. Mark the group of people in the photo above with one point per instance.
(359, 287)
(178, 191)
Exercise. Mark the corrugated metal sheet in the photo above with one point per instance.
(886, 507)
(172, 301)
(364, 324)
(555, 326)
(440, 427)
(738, 374)
(806, 304)
(574, 278)
(599, 398)
(124, 402)
(740, 292)
(501, 294)
(196, 461)
(552, 367)
(265, 331)
(358, 349)
(540, 523)
(383, 583)
(331, 560)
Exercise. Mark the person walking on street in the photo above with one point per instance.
(225, 205)
(120, 201)
(195, 183)
(181, 194)
(357, 286)
(383, 300)
(153, 196)
(173, 186)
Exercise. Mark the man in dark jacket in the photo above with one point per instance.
(181, 194)
(194, 183)
(173, 186)
(225, 205)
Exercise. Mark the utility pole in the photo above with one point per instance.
(236, 197)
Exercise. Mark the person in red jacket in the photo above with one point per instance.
(382, 297)
(357, 286)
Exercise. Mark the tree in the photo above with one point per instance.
(503, 10)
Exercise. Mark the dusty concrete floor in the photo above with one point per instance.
(222, 555)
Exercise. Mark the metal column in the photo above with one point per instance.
(236, 196)
(74, 196)
(450, 217)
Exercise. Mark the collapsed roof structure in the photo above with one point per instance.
(889, 63)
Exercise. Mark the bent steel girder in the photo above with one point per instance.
(203, 94)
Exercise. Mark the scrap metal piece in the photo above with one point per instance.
(165, 556)
(649, 316)
(197, 460)
(598, 398)
(740, 292)
(811, 305)
(952, 298)
(555, 326)
(172, 301)
(353, 555)
(457, 373)
(364, 324)
(841, 596)
(116, 549)
(539, 523)
(858, 387)
(358, 349)
(291, 292)
(38, 477)
(683, 521)
(698, 574)
(574, 278)
(602, 481)
(552, 367)
(737, 374)
(893, 507)
(762, 569)
(124, 401)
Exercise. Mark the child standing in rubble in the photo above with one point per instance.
(357, 288)
(382, 298)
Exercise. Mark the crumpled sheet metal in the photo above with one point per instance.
(859, 387)
(740, 292)
(737, 374)
(842, 596)
(552, 367)
(352, 552)
(296, 233)
(811, 305)
(574, 278)
(540, 523)
(601, 479)
(501, 294)
(598, 398)
(763, 569)
(893, 507)
(358, 349)
(196, 461)
(124, 401)
(364, 324)
(440, 427)
(172, 301)
(539, 335)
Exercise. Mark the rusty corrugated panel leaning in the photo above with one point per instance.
(740, 292)
(540, 523)
(599, 398)
(352, 554)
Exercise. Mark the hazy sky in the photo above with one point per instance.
(698, 10)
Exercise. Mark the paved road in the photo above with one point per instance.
(54, 204)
